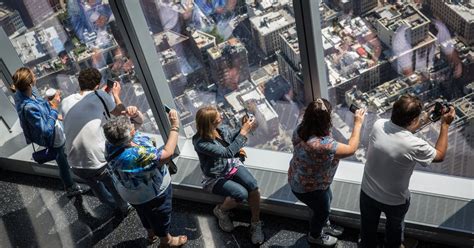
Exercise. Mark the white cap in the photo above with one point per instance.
(50, 92)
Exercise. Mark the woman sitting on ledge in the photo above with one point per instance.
(219, 149)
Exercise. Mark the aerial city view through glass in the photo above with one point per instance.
(243, 56)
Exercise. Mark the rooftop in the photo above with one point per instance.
(465, 11)
(291, 38)
(272, 21)
(28, 47)
(392, 18)
(351, 48)
(171, 37)
(231, 46)
(168, 56)
(203, 39)
(381, 98)
(4, 11)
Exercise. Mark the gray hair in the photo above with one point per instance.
(117, 130)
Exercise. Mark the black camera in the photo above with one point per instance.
(440, 108)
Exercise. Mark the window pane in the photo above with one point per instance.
(241, 56)
(376, 51)
(59, 38)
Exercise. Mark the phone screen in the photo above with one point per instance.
(167, 109)
(353, 108)
(110, 83)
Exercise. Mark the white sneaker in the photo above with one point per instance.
(332, 229)
(223, 218)
(257, 233)
(323, 240)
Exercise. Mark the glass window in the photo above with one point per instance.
(377, 50)
(57, 39)
(242, 56)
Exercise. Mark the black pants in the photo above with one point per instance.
(156, 214)
(370, 211)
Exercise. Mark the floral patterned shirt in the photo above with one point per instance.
(137, 174)
(313, 164)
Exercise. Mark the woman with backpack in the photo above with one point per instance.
(39, 121)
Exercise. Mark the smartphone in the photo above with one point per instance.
(110, 83)
(167, 109)
(353, 108)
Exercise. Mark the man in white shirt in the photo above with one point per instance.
(84, 115)
(391, 157)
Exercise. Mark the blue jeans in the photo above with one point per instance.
(238, 186)
(319, 201)
(63, 166)
(370, 211)
(156, 214)
(102, 185)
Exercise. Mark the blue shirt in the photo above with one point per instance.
(216, 159)
(137, 174)
(37, 118)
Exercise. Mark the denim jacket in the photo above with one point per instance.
(213, 156)
(38, 118)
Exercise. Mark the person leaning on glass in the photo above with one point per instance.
(219, 148)
(315, 159)
(141, 176)
(40, 124)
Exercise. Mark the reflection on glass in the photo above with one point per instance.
(59, 38)
(376, 51)
(242, 56)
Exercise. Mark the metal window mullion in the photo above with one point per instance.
(141, 48)
(308, 26)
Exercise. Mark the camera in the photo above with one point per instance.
(440, 108)
(250, 116)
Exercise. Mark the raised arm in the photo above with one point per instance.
(442, 143)
(119, 107)
(347, 150)
(217, 150)
(172, 141)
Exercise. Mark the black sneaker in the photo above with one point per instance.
(76, 190)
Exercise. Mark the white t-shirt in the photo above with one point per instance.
(59, 137)
(84, 115)
(391, 157)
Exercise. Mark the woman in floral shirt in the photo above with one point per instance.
(315, 159)
(141, 177)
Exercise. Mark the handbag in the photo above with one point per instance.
(44, 155)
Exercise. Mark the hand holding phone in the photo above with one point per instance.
(353, 108)
(167, 109)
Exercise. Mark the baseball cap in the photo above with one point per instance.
(50, 92)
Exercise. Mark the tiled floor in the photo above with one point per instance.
(35, 213)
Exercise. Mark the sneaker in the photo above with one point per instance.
(332, 229)
(409, 243)
(224, 220)
(257, 233)
(76, 190)
(323, 240)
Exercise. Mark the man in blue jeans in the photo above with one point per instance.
(391, 157)
(84, 115)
